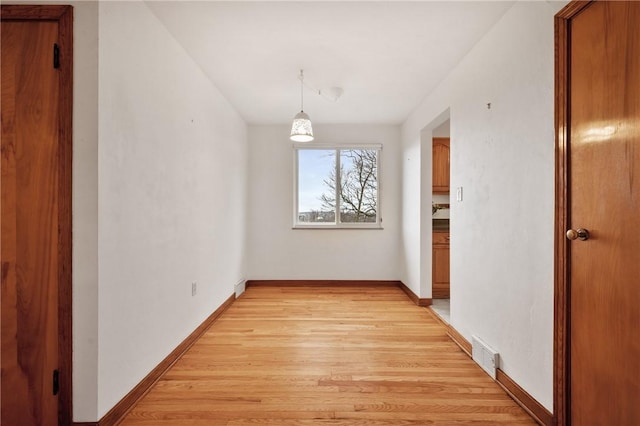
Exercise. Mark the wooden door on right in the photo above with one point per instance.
(604, 201)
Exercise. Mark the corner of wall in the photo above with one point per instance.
(85, 211)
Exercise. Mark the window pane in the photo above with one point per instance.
(358, 185)
(316, 186)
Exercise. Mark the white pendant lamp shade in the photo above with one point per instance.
(301, 130)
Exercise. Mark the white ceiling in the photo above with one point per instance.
(386, 55)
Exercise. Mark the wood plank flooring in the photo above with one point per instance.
(352, 355)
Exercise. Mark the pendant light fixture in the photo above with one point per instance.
(301, 130)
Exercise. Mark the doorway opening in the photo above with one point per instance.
(440, 202)
(434, 214)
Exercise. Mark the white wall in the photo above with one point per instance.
(443, 130)
(85, 211)
(502, 232)
(171, 193)
(276, 251)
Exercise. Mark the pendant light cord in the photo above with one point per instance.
(301, 91)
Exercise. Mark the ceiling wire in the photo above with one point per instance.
(301, 90)
(337, 91)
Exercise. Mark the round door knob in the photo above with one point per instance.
(580, 234)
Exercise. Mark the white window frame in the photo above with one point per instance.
(337, 225)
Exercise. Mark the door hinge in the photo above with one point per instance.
(56, 55)
(56, 382)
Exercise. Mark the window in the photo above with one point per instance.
(337, 187)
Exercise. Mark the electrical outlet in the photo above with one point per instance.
(194, 288)
(459, 193)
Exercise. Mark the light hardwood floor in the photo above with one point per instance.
(352, 355)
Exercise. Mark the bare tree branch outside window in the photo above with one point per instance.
(358, 190)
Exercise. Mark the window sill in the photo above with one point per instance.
(369, 227)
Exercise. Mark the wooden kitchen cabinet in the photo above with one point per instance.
(440, 265)
(441, 165)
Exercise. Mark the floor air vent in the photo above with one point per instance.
(485, 356)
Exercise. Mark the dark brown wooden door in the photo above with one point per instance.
(30, 119)
(604, 199)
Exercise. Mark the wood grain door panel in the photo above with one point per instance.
(604, 179)
(440, 266)
(441, 167)
(30, 130)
